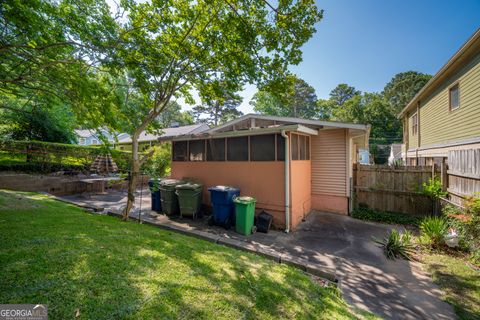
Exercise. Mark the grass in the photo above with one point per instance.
(368, 214)
(459, 282)
(97, 267)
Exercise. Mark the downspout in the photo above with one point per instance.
(287, 183)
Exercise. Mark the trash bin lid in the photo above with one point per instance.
(222, 188)
(244, 199)
(171, 182)
(189, 186)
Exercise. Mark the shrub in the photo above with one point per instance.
(396, 245)
(364, 213)
(433, 188)
(158, 165)
(432, 231)
(49, 157)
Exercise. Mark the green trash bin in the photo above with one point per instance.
(244, 215)
(168, 198)
(189, 198)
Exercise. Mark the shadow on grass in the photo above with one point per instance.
(459, 290)
(98, 267)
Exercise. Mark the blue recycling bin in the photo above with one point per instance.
(154, 186)
(223, 206)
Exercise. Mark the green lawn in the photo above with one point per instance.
(98, 267)
(460, 283)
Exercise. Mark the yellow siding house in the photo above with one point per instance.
(445, 114)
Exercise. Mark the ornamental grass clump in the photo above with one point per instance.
(397, 245)
(432, 231)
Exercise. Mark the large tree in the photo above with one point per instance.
(219, 104)
(173, 114)
(52, 49)
(171, 47)
(341, 93)
(403, 87)
(295, 98)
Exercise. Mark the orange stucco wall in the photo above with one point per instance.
(300, 191)
(262, 180)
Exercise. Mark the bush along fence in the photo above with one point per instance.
(44, 157)
(397, 189)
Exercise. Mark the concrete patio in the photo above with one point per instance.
(328, 245)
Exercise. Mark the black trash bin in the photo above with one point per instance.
(154, 185)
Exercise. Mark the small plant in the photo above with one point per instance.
(434, 190)
(397, 245)
(432, 231)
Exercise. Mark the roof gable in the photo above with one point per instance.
(263, 121)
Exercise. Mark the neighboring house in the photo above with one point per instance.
(289, 165)
(146, 140)
(445, 114)
(395, 153)
(86, 137)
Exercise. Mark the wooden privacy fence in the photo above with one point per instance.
(463, 174)
(395, 189)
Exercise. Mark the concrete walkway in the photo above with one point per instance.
(328, 245)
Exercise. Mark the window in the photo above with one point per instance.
(82, 141)
(262, 148)
(94, 141)
(237, 149)
(216, 150)
(280, 148)
(300, 147)
(415, 124)
(180, 150)
(122, 148)
(454, 94)
(197, 150)
(294, 151)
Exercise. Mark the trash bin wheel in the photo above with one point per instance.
(211, 222)
(254, 229)
(228, 223)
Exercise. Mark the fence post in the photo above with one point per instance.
(444, 176)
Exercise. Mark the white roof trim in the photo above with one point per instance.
(258, 131)
(319, 123)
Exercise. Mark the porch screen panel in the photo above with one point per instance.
(294, 151)
(262, 148)
(308, 148)
(237, 149)
(302, 141)
(197, 150)
(216, 150)
(180, 151)
(280, 148)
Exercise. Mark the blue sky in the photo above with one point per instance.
(364, 43)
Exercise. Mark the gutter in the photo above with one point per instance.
(287, 183)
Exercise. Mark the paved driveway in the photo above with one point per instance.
(392, 289)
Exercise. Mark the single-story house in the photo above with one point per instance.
(289, 165)
(146, 140)
(87, 137)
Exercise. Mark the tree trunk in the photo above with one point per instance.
(134, 172)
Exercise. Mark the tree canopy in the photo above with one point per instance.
(295, 98)
(218, 105)
(341, 93)
(403, 87)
